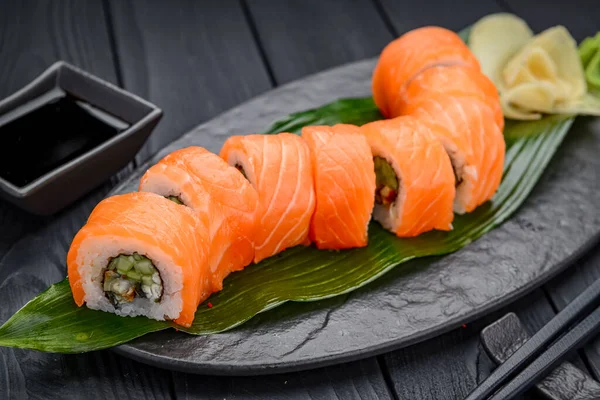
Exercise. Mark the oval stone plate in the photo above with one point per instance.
(414, 302)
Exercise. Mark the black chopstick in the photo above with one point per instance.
(575, 311)
(551, 358)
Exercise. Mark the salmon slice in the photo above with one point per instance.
(279, 168)
(173, 238)
(344, 180)
(415, 182)
(208, 184)
(455, 80)
(411, 53)
(474, 142)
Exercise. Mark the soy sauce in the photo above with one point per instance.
(55, 129)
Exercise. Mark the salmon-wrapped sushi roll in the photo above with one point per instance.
(474, 143)
(411, 53)
(279, 168)
(344, 180)
(414, 178)
(199, 179)
(455, 80)
(141, 254)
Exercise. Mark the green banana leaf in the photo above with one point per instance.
(52, 322)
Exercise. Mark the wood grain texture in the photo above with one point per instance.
(358, 380)
(407, 15)
(14, 224)
(33, 35)
(563, 289)
(569, 285)
(31, 265)
(450, 366)
(194, 60)
(580, 17)
(301, 37)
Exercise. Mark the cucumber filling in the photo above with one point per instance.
(175, 199)
(386, 181)
(241, 169)
(129, 276)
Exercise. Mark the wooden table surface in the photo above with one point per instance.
(196, 59)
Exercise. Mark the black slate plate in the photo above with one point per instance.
(416, 301)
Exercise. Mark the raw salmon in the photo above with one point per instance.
(279, 168)
(148, 241)
(474, 142)
(411, 53)
(415, 182)
(218, 190)
(344, 181)
(455, 80)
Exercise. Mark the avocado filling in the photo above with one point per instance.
(175, 199)
(241, 169)
(128, 276)
(386, 189)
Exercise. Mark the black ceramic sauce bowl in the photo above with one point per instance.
(64, 183)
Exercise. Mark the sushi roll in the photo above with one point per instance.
(402, 59)
(344, 180)
(279, 168)
(414, 178)
(474, 143)
(176, 184)
(455, 80)
(141, 254)
(203, 181)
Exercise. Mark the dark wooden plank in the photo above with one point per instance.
(569, 285)
(358, 380)
(563, 289)
(32, 249)
(302, 37)
(580, 17)
(194, 60)
(14, 224)
(451, 365)
(407, 15)
(31, 265)
(33, 35)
